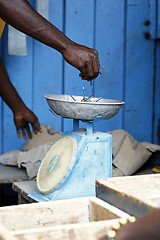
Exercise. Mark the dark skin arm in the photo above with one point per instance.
(21, 15)
(145, 228)
(22, 115)
(148, 228)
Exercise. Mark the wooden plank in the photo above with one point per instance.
(47, 70)
(109, 41)
(156, 138)
(5, 234)
(37, 215)
(93, 231)
(9, 174)
(1, 109)
(64, 219)
(139, 196)
(1, 103)
(23, 189)
(139, 72)
(1, 126)
(154, 19)
(158, 19)
(56, 213)
(99, 211)
(79, 26)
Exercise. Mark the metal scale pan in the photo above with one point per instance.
(73, 164)
(83, 108)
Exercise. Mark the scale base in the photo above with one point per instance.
(93, 161)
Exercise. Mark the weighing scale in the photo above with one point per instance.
(72, 165)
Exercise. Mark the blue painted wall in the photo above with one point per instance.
(117, 30)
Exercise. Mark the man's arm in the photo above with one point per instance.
(22, 115)
(147, 228)
(21, 15)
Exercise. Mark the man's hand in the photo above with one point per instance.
(21, 15)
(84, 59)
(22, 121)
(23, 116)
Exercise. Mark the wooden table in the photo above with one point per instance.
(10, 174)
(23, 189)
(27, 187)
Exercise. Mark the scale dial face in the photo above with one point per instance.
(56, 165)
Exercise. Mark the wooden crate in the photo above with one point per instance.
(82, 218)
(5, 234)
(136, 195)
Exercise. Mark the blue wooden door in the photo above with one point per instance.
(119, 30)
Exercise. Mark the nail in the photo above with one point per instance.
(102, 67)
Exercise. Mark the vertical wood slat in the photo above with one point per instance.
(79, 27)
(157, 95)
(154, 27)
(139, 73)
(47, 70)
(158, 18)
(1, 109)
(109, 42)
(1, 139)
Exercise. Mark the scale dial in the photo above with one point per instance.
(56, 165)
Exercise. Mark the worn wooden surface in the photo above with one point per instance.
(76, 219)
(93, 231)
(131, 72)
(10, 174)
(89, 231)
(5, 234)
(23, 189)
(27, 187)
(136, 195)
(83, 231)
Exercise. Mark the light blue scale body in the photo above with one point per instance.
(93, 161)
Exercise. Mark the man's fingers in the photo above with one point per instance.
(95, 69)
(28, 131)
(22, 122)
(83, 71)
(88, 72)
(91, 70)
(36, 127)
(95, 65)
(18, 133)
(97, 61)
(24, 133)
